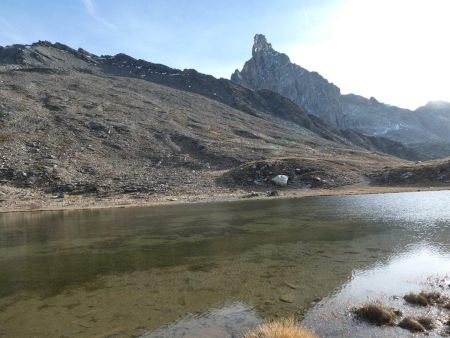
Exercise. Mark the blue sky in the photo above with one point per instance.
(395, 50)
(212, 36)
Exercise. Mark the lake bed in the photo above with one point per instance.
(205, 269)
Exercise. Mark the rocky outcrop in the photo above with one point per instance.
(298, 173)
(422, 174)
(426, 130)
(269, 69)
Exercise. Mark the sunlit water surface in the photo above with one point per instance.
(217, 270)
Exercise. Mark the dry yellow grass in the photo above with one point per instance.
(425, 298)
(284, 328)
(377, 314)
(411, 324)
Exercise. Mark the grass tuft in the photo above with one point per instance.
(411, 325)
(284, 328)
(376, 314)
(424, 298)
(427, 323)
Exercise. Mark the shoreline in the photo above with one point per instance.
(72, 203)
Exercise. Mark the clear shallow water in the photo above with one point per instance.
(418, 268)
(217, 269)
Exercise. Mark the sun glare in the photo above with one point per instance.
(396, 51)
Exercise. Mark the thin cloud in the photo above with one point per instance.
(90, 9)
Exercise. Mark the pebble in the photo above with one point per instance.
(291, 285)
(287, 297)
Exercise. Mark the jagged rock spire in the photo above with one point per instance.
(272, 70)
(260, 44)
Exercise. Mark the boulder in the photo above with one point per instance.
(280, 180)
(251, 195)
(97, 126)
(273, 193)
(407, 175)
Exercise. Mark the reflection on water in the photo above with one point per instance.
(418, 268)
(222, 267)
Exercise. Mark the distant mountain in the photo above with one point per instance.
(426, 129)
(440, 121)
(75, 122)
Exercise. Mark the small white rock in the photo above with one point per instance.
(280, 180)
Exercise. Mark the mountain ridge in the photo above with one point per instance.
(269, 69)
(39, 55)
(75, 123)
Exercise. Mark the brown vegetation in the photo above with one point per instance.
(284, 328)
(425, 298)
(416, 299)
(426, 322)
(377, 314)
(411, 324)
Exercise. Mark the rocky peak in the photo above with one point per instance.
(272, 70)
(44, 54)
(260, 44)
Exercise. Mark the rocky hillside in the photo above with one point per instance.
(47, 57)
(73, 122)
(426, 130)
(429, 173)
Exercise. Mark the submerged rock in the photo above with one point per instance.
(291, 285)
(287, 298)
